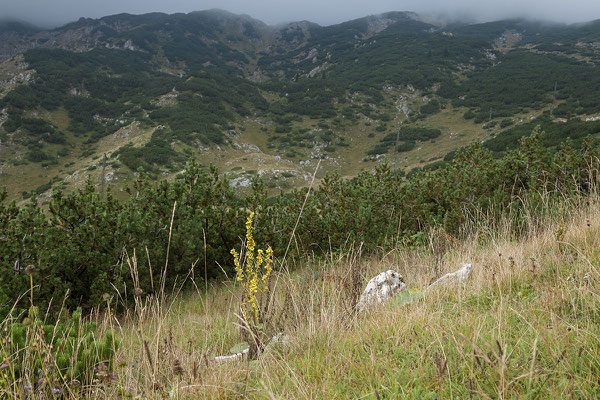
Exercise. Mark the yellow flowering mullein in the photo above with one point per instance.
(268, 267)
(239, 272)
(255, 275)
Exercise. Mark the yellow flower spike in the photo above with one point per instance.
(254, 275)
(238, 269)
(259, 259)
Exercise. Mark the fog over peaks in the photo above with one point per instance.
(50, 13)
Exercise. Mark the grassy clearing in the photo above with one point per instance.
(527, 325)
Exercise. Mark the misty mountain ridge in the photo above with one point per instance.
(88, 33)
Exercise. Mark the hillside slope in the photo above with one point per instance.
(155, 90)
(525, 325)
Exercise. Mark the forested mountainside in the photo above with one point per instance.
(101, 98)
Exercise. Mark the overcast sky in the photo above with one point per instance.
(324, 12)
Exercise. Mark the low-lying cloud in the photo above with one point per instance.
(57, 12)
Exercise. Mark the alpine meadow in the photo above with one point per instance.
(203, 206)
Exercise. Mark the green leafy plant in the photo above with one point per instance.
(41, 357)
(46, 360)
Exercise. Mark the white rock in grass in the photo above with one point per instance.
(460, 276)
(278, 343)
(233, 357)
(381, 288)
(281, 339)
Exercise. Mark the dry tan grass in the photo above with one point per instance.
(526, 325)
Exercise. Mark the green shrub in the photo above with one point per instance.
(55, 359)
(469, 115)
(407, 137)
(37, 155)
(43, 188)
(156, 153)
(406, 146)
(77, 240)
(87, 236)
(430, 108)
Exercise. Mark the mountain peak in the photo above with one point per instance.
(17, 26)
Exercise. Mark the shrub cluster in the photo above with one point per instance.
(79, 245)
(47, 360)
(408, 137)
(515, 85)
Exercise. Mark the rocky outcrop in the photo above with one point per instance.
(13, 73)
(233, 357)
(80, 39)
(460, 276)
(240, 181)
(388, 284)
(381, 288)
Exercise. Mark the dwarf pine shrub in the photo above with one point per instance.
(43, 360)
(77, 242)
(39, 359)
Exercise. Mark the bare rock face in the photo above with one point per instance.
(460, 276)
(381, 288)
